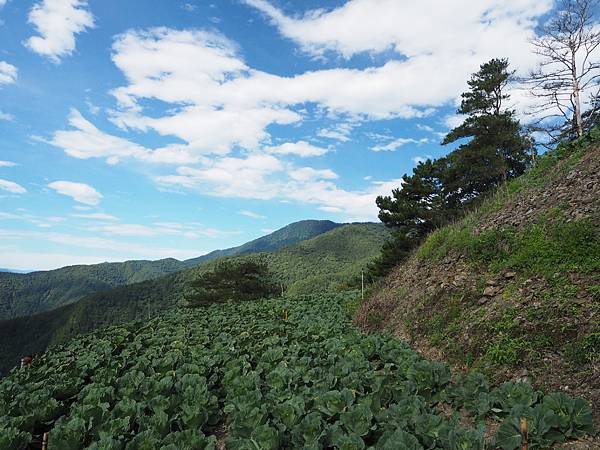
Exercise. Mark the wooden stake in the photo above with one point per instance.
(45, 441)
(524, 433)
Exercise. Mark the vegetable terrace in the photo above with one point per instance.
(245, 376)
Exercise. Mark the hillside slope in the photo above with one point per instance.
(288, 235)
(25, 294)
(512, 290)
(32, 293)
(324, 263)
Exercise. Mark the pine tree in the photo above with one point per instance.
(496, 150)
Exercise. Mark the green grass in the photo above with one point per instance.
(545, 248)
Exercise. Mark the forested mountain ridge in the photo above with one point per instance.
(36, 292)
(513, 288)
(328, 262)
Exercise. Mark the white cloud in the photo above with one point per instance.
(8, 73)
(340, 132)
(431, 68)
(230, 177)
(453, 120)
(2, 3)
(6, 116)
(186, 230)
(12, 187)
(300, 148)
(85, 141)
(425, 128)
(353, 205)
(251, 214)
(7, 164)
(96, 216)
(80, 192)
(308, 173)
(397, 143)
(379, 25)
(264, 177)
(57, 22)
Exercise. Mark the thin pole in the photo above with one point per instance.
(45, 441)
(362, 284)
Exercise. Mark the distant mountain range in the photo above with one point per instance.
(23, 294)
(330, 261)
(2, 269)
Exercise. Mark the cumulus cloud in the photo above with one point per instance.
(12, 187)
(80, 192)
(264, 177)
(380, 25)
(397, 143)
(300, 148)
(57, 22)
(8, 73)
(219, 110)
(245, 177)
(85, 141)
(7, 164)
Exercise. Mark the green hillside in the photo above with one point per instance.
(327, 262)
(27, 294)
(512, 289)
(288, 235)
(285, 373)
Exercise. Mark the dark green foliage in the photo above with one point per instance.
(497, 150)
(26, 294)
(309, 381)
(325, 263)
(442, 190)
(232, 281)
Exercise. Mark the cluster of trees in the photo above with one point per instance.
(495, 147)
(232, 280)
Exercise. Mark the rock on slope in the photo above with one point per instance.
(512, 290)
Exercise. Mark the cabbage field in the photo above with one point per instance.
(290, 373)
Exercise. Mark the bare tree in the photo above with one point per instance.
(568, 75)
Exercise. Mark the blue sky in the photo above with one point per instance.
(146, 129)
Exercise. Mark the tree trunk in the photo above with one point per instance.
(576, 97)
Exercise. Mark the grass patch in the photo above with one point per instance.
(546, 248)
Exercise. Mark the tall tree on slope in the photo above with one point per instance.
(496, 150)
